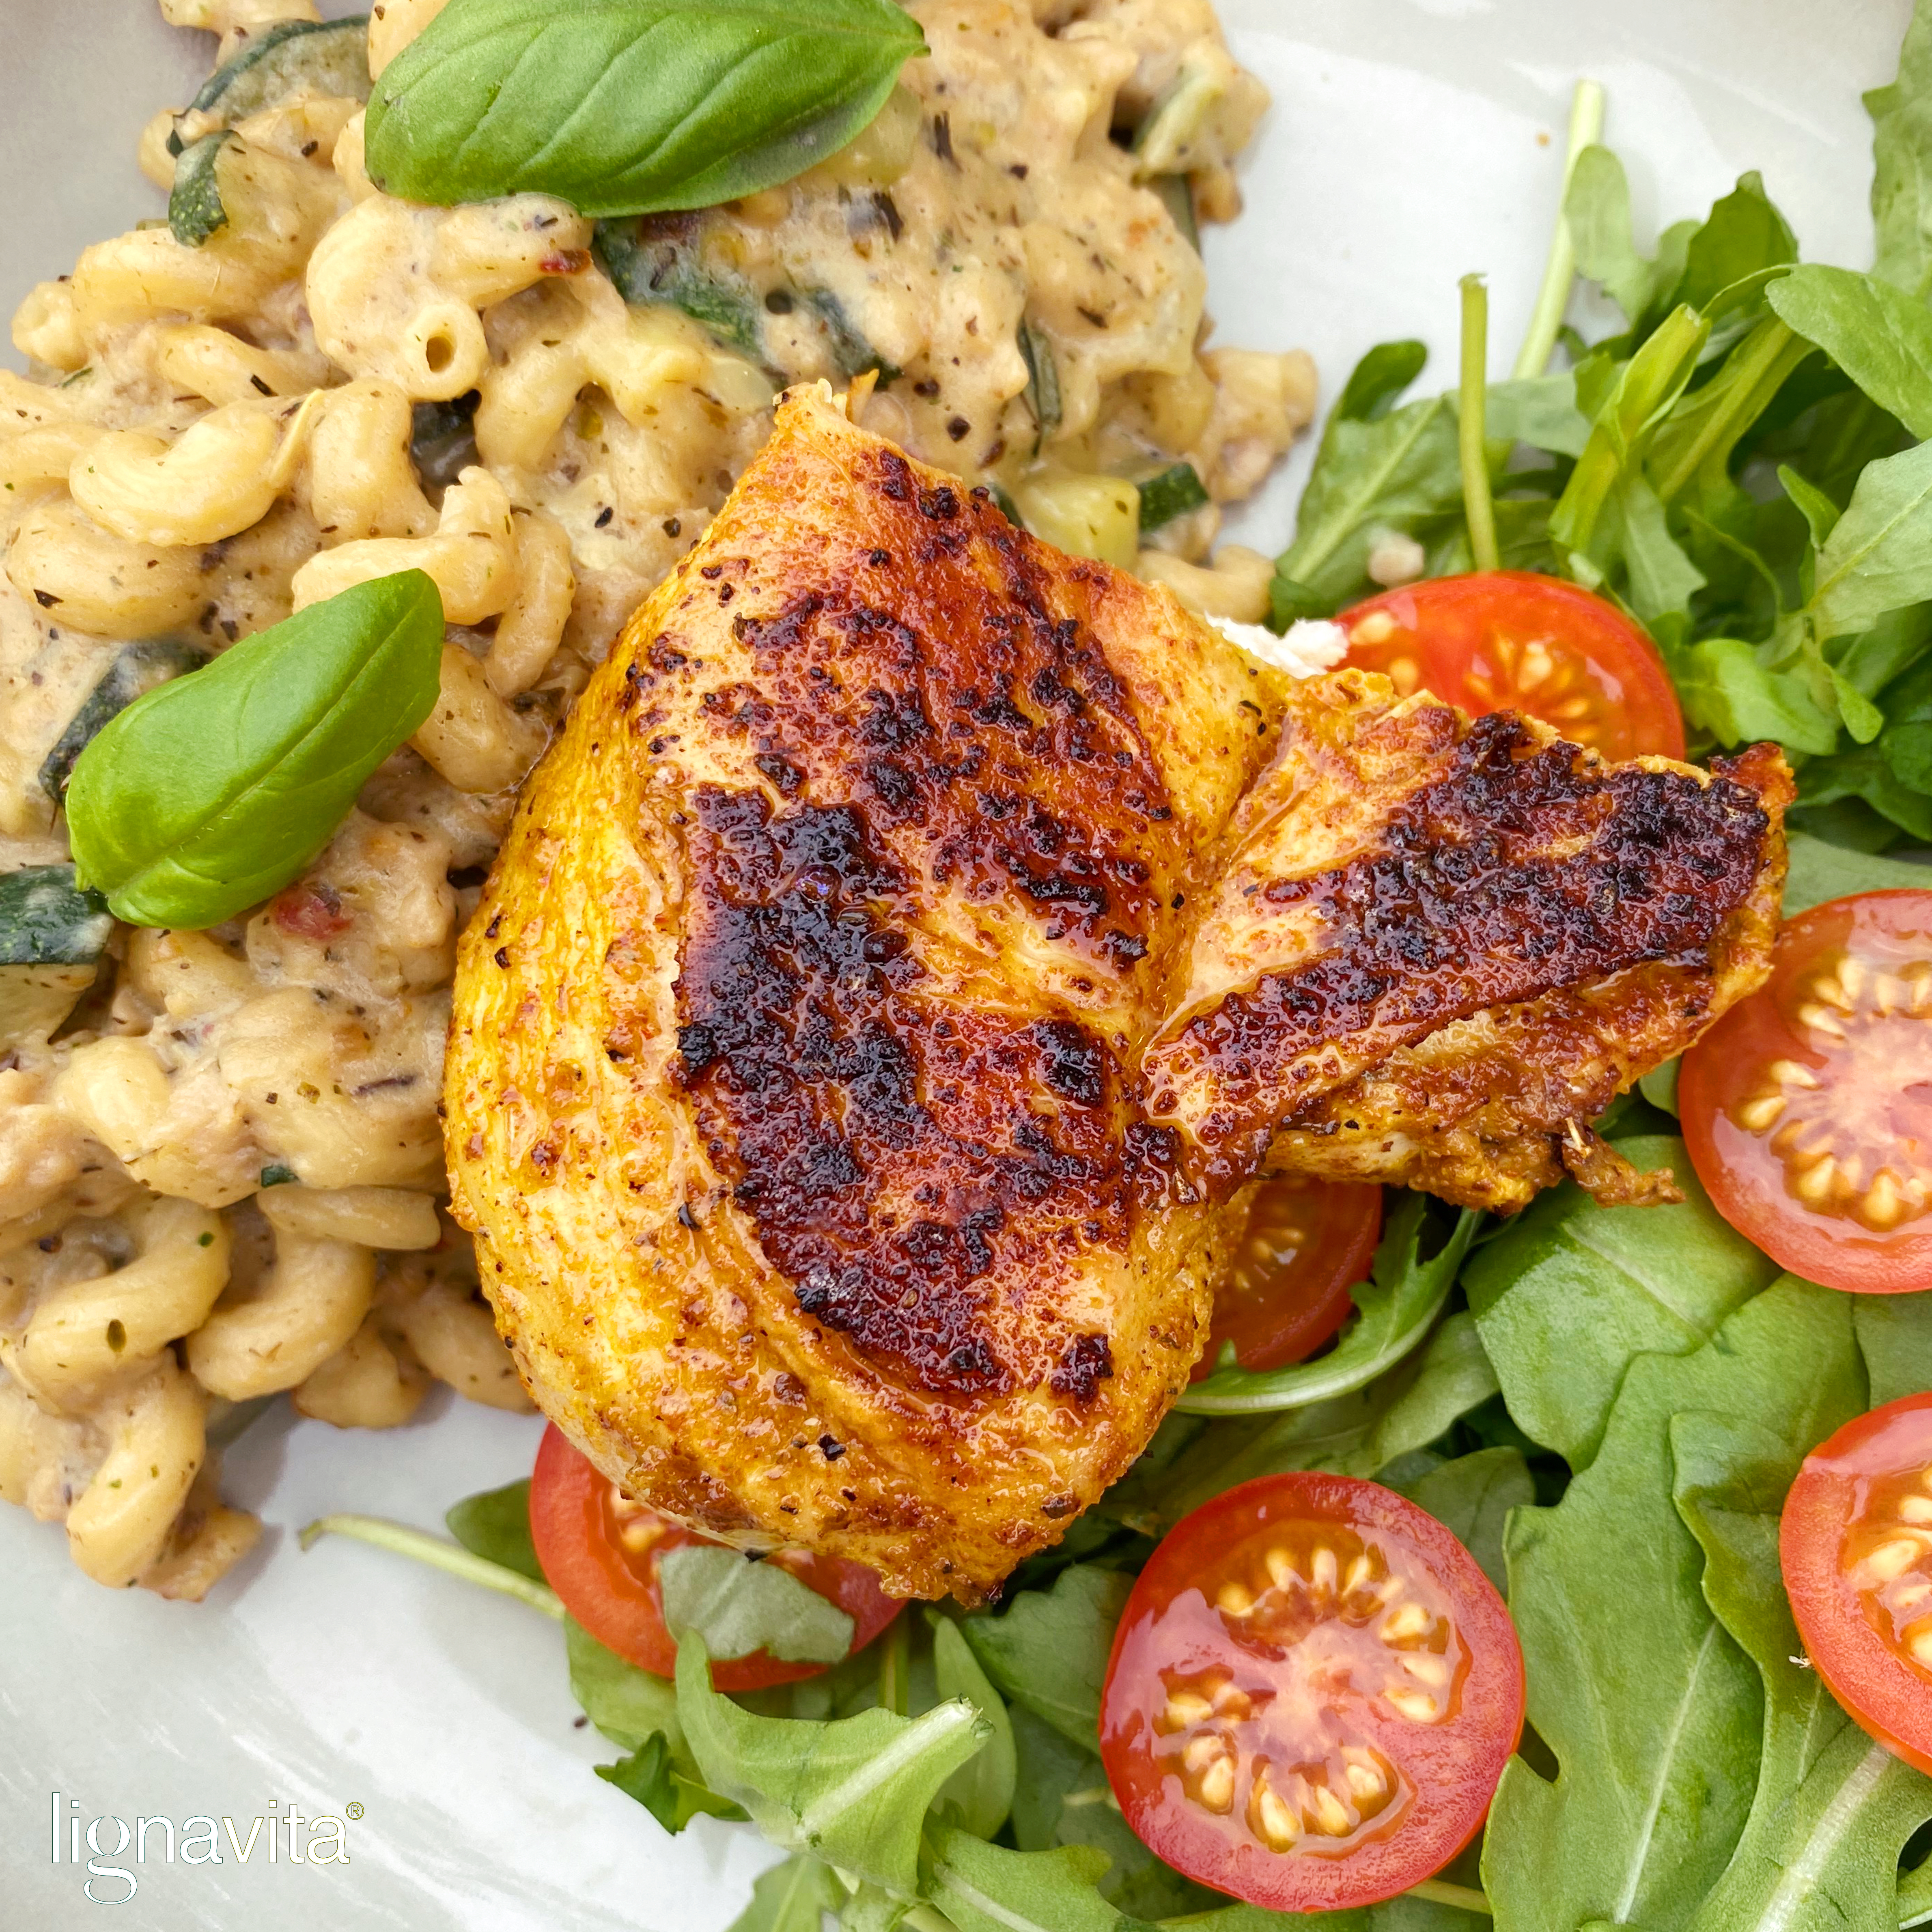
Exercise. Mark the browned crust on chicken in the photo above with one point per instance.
(792, 1090)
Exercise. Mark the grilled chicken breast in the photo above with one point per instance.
(917, 936)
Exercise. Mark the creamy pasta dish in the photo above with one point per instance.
(221, 1174)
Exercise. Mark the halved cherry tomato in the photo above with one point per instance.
(1312, 1692)
(1856, 1545)
(599, 1551)
(1808, 1108)
(1307, 1243)
(1511, 640)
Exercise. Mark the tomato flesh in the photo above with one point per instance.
(1306, 1244)
(1513, 641)
(1856, 1545)
(1807, 1107)
(599, 1548)
(1312, 1692)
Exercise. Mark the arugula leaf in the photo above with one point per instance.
(1819, 871)
(1880, 337)
(1879, 557)
(1726, 687)
(497, 1525)
(983, 1887)
(852, 1792)
(1866, 774)
(1539, 410)
(1694, 445)
(1597, 207)
(1376, 381)
(793, 1897)
(1906, 738)
(1651, 1710)
(1901, 196)
(650, 1775)
(215, 790)
(1895, 1334)
(1047, 1652)
(1743, 235)
(1394, 1310)
(1833, 1809)
(1569, 1294)
(739, 1607)
(630, 106)
(1473, 1495)
(979, 1794)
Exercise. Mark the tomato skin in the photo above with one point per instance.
(1515, 640)
(1729, 1070)
(1275, 1313)
(1890, 1697)
(1453, 1764)
(599, 1581)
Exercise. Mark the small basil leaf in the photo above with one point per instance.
(630, 106)
(213, 791)
(739, 1607)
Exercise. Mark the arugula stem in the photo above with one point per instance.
(1464, 1897)
(1760, 360)
(895, 1668)
(1471, 421)
(1559, 272)
(440, 1553)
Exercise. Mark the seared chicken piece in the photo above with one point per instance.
(795, 1091)
(1438, 948)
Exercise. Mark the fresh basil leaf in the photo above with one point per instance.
(853, 1792)
(1833, 1809)
(979, 1794)
(1652, 1711)
(1879, 336)
(1473, 1495)
(1568, 1295)
(1819, 871)
(650, 1775)
(793, 1897)
(1394, 1309)
(497, 1525)
(739, 1607)
(630, 106)
(1878, 557)
(213, 791)
(983, 1887)
(1901, 196)
(1727, 688)
(1048, 1650)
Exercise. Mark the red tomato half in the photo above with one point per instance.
(600, 1550)
(1808, 1108)
(1307, 1243)
(1313, 1690)
(1511, 640)
(1855, 1544)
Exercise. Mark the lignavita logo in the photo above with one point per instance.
(115, 1854)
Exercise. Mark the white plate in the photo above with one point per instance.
(1411, 141)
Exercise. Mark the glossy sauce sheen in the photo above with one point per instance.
(796, 1089)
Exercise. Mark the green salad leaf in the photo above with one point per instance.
(853, 1791)
(1394, 1309)
(215, 790)
(630, 106)
(1569, 1294)
(1652, 1710)
(983, 1887)
(1879, 335)
(793, 1897)
(496, 1524)
(1901, 196)
(1473, 1495)
(980, 1795)
(739, 1607)
(1819, 871)
(1048, 1651)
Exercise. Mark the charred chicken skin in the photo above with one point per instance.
(918, 939)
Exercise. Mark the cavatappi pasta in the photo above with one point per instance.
(221, 1175)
